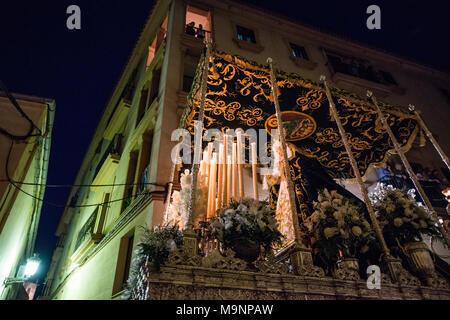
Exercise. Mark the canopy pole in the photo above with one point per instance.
(300, 255)
(430, 136)
(189, 237)
(405, 161)
(284, 154)
(355, 168)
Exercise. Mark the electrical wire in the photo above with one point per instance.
(82, 185)
(66, 206)
(22, 113)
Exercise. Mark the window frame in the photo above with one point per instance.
(309, 63)
(256, 47)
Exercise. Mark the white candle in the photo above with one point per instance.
(212, 187)
(240, 164)
(229, 161)
(220, 177)
(254, 162)
(234, 185)
(224, 171)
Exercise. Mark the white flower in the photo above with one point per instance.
(356, 230)
(171, 245)
(330, 232)
(337, 215)
(398, 222)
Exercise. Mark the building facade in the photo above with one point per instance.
(25, 154)
(132, 144)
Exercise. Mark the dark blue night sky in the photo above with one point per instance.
(79, 69)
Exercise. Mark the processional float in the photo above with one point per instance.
(300, 254)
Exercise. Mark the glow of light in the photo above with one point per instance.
(31, 267)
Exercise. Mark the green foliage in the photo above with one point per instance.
(247, 220)
(338, 224)
(400, 216)
(154, 246)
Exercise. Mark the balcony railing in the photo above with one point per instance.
(86, 230)
(360, 69)
(198, 33)
(143, 180)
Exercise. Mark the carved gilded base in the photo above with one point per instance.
(199, 283)
(302, 262)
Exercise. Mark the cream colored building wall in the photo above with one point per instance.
(13, 238)
(24, 164)
(94, 279)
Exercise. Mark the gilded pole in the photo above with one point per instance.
(405, 161)
(430, 136)
(287, 171)
(355, 168)
(190, 240)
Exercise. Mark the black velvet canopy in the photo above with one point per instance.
(239, 96)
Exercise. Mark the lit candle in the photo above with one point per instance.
(208, 161)
(254, 162)
(234, 184)
(228, 179)
(224, 171)
(212, 187)
(220, 177)
(240, 164)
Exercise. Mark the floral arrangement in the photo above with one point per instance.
(338, 227)
(247, 220)
(178, 208)
(401, 218)
(154, 246)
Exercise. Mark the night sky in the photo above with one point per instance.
(79, 68)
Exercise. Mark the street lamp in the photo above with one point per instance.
(25, 271)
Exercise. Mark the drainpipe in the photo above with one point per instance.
(46, 146)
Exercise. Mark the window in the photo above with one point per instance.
(198, 22)
(154, 87)
(245, 34)
(388, 78)
(143, 101)
(190, 66)
(128, 255)
(123, 262)
(86, 230)
(156, 42)
(298, 51)
(131, 173)
(144, 161)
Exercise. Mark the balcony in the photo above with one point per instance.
(193, 43)
(358, 75)
(143, 180)
(87, 238)
(107, 164)
(117, 119)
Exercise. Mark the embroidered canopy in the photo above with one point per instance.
(239, 95)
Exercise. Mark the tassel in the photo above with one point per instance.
(422, 140)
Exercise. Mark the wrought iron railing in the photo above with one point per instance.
(143, 180)
(86, 230)
(113, 148)
(198, 33)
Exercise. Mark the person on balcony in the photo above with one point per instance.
(190, 28)
(200, 32)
